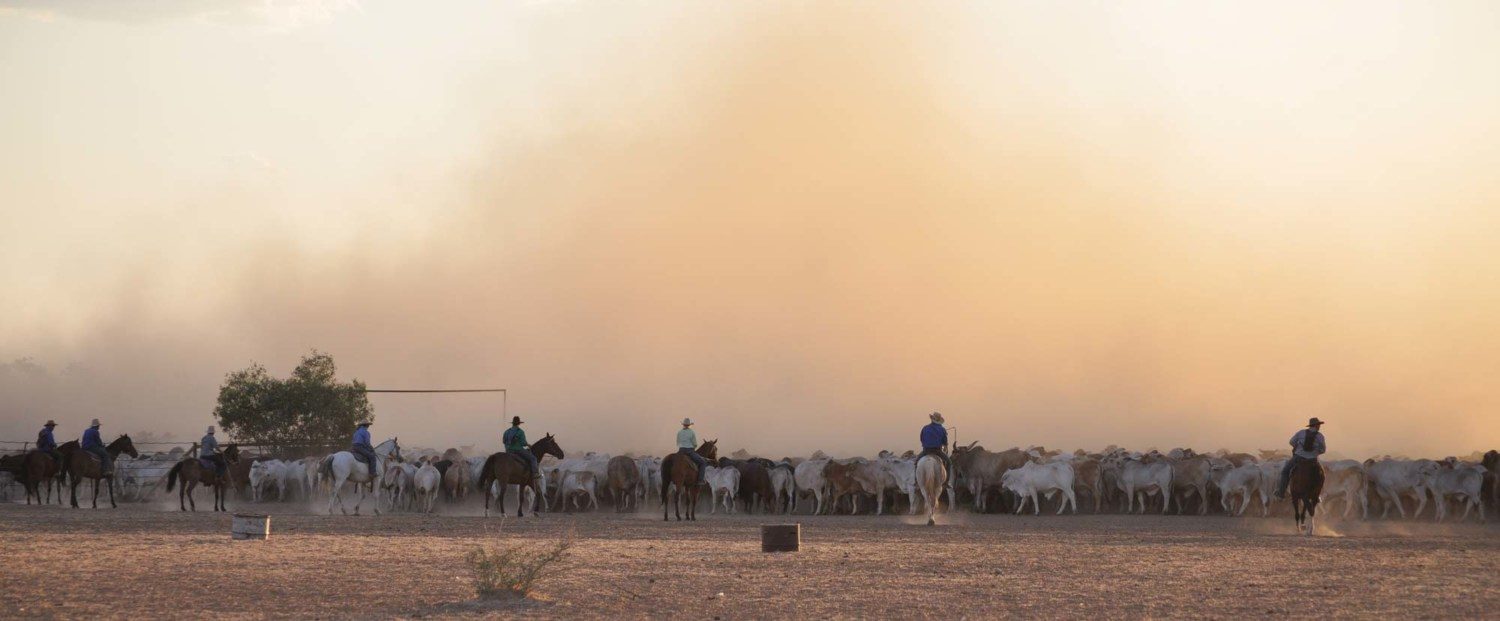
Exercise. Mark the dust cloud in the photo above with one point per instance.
(806, 228)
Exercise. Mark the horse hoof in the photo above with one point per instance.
(931, 522)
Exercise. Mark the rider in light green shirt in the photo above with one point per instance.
(687, 444)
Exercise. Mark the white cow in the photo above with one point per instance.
(726, 480)
(1395, 478)
(783, 488)
(808, 477)
(1051, 477)
(294, 477)
(578, 483)
(905, 471)
(1346, 479)
(425, 483)
(878, 477)
(1462, 481)
(650, 469)
(1270, 476)
(264, 475)
(1237, 482)
(1146, 479)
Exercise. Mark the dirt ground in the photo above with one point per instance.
(141, 561)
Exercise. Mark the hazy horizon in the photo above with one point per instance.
(804, 226)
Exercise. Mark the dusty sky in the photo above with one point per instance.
(805, 225)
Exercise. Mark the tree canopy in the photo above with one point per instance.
(311, 406)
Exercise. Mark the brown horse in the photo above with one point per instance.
(41, 469)
(194, 474)
(680, 475)
(507, 470)
(1306, 485)
(82, 464)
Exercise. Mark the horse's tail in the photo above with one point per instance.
(325, 468)
(172, 476)
(487, 473)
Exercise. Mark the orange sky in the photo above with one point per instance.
(804, 227)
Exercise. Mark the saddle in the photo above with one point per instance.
(207, 463)
(360, 457)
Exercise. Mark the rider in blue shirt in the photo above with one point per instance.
(47, 444)
(208, 450)
(935, 441)
(362, 446)
(92, 443)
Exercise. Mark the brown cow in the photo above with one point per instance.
(624, 479)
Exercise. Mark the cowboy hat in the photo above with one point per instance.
(1313, 422)
(95, 423)
(210, 429)
(687, 422)
(937, 417)
(365, 424)
(50, 423)
(515, 420)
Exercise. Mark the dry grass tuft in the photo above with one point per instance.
(510, 571)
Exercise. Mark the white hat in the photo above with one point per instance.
(210, 429)
(95, 423)
(937, 417)
(686, 422)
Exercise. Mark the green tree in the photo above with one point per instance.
(311, 406)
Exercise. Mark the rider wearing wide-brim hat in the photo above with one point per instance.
(934, 439)
(208, 450)
(515, 444)
(1307, 445)
(361, 445)
(687, 444)
(46, 443)
(93, 443)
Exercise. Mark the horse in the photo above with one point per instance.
(680, 475)
(1305, 486)
(342, 466)
(193, 474)
(82, 464)
(38, 469)
(931, 476)
(507, 470)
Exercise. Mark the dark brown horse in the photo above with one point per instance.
(82, 464)
(680, 475)
(40, 469)
(507, 470)
(194, 474)
(1306, 485)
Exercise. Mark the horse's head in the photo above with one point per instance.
(232, 453)
(710, 449)
(123, 444)
(547, 446)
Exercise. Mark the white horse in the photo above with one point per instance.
(342, 466)
(931, 475)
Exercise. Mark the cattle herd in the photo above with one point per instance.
(1014, 480)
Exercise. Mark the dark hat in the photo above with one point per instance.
(365, 424)
(50, 423)
(515, 420)
(1313, 422)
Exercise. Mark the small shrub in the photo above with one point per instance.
(512, 570)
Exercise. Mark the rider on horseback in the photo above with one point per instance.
(515, 444)
(47, 444)
(1307, 445)
(935, 441)
(362, 447)
(687, 444)
(208, 451)
(92, 443)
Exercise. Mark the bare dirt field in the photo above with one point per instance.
(140, 561)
